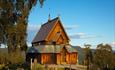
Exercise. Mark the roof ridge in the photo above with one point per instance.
(50, 21)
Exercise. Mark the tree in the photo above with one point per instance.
(14, 20)
(11, 58)
(16, 57)
(103, 56)
(88, 55)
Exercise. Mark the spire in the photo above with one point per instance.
(49, 17)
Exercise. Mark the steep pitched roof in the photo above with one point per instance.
(45, 30)
(50, 49)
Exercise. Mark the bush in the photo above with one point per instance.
(12, 58)
(38, 67)
(26, 66)
(13, 66)
(15, 58)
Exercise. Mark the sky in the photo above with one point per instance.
(85, 21)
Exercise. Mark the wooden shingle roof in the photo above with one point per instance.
(45, 30)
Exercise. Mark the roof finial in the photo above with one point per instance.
(49, 15)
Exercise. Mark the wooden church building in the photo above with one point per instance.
(51, 45)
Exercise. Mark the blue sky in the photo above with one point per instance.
(85, 21)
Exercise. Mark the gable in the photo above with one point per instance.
(44, 31)
(60, 40)
(50, 32)
(58, 34)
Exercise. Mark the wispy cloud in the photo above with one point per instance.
(70, 27)
(33, 27)
(77, 36)
(83, 36)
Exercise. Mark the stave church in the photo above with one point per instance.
(51, 45)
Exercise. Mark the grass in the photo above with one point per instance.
(60, 69)
(1, 66)
(42, 67)
(39, 67)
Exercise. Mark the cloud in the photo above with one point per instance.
(33, 27)
(83, 36)
(113, 44)
(2, 46)
(77, 36)
(29, 44)
(70, 27)
(32, 30)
